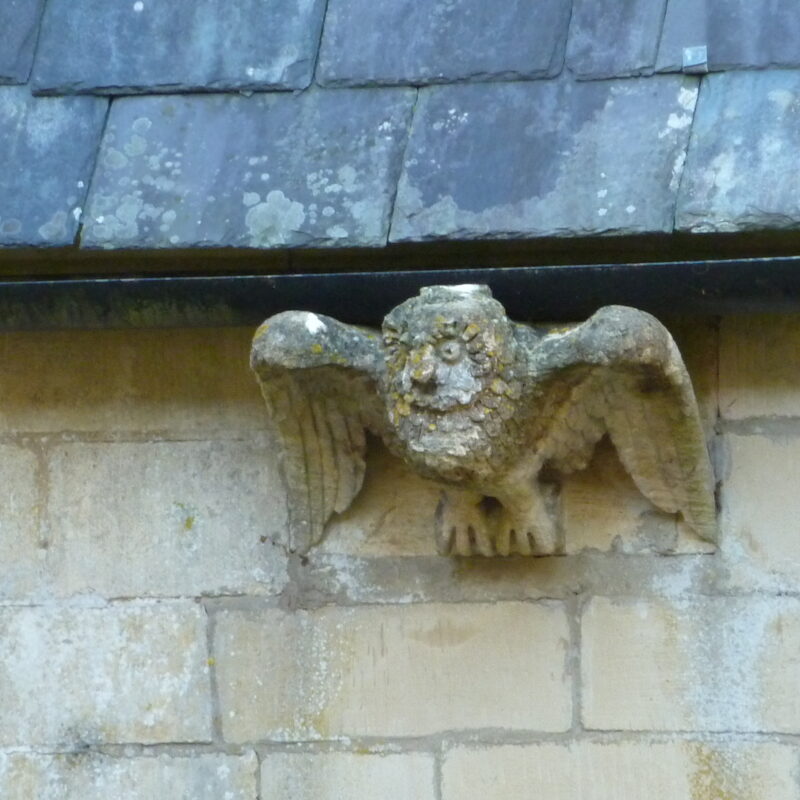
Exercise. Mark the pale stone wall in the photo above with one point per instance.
(157, 643)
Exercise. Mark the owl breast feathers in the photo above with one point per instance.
(480, 404)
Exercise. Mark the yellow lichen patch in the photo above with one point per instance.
(316, 348)
(717, 776)
(402, 408)
(470, 332)
(261, 330)
(499, 386)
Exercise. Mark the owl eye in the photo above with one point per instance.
(450, 350)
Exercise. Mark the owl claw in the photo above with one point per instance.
(464, 528)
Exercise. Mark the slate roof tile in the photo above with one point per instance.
(407, 41)
(49, 146)
(270, 170)
(741, 171)
(614, 38)
(739, 34)
(544, 159)
(19, 27)
(123, 46)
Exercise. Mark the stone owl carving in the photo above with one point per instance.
(482, 405)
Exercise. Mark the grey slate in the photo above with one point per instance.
(19, 27)
(271, 170)
(49, 146)
(614, 38)
(177, 45)
(407, 41)
(548, 158)
(739, 34)
(742, 168)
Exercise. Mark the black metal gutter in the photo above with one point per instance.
(528, 293)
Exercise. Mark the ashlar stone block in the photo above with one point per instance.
(597, 771)
(72, 677)
(758, 367)
(91, 776)
(347, 776)
(699, 664)
(392, 671)
(22, 550)
(192, 383)
(165, 519)
(761, 513)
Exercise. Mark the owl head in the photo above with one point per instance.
(446, 349)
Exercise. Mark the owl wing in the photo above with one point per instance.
(620, 373)
(320, 379)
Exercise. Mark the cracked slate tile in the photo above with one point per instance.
(405, 41)
(554, 158)
(741, 171)
(738, 34)
(49, 145)
(614, 38)
(271, 170)
(19, 24)
(128, 46)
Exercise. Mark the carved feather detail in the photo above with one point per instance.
(319, 380)
(482, 405)
(626, 379)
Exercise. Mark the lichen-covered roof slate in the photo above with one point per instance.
(558, 167)
(49, 146)
(126, 46)
(461, 119)
(269, 170)
(368, 42)
(19, 23)
(743, 163)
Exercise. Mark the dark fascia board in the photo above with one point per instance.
(544, 293)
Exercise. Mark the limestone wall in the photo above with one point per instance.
(155, 642)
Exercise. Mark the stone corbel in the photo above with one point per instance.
(484, 406)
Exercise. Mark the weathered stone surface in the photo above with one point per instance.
(347, 776)
(19, 21)
(598, 771)
(275, 170)
(165, 519)
(199, 44)
(698, 339)
(49, 146)
(392, 671)
(22, 554)
(738, 33)
(72, 677)
(742, 155)
(176, 383)
(759, 363)
(611, 38)
(90, 776)
(702, 663)
(409, 42)
(761, 515)
(481, 405)
(603, 510)
(561, 167)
